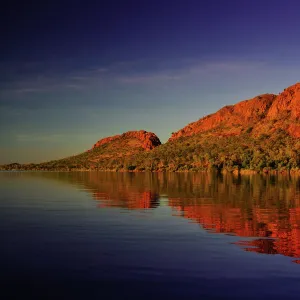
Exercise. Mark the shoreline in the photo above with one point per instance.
(222, 171)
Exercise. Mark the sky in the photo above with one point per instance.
(73, 72)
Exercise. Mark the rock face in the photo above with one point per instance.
(147, 140)
(263, 114)
(286, 102)
(106, 140)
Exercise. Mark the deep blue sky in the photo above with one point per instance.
(72, 72)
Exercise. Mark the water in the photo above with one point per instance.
(127, 235)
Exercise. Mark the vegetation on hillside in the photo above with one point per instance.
(260, 134)
(278, 151)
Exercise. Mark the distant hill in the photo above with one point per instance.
(260, 134)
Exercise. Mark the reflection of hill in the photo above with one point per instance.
(112, 189)
(126, 190)
(266, 207)
(130, 200)
(250, 207)
(247, 206)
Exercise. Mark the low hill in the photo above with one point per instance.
(260, 134)
(105, 153)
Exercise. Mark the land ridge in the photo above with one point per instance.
(259, 134)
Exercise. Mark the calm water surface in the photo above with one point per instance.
(149, 236)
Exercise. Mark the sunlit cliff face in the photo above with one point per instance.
(264, 113)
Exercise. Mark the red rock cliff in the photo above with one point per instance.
(257, 113)
(148, 140)
(287, 102)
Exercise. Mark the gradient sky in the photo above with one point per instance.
(72, 72)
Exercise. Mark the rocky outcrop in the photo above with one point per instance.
(259, 114)
(147, 140)
(286, 103)
(106, 140)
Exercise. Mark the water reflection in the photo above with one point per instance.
(250, 206)
(124, 190)
(264, 207)
(130, 200)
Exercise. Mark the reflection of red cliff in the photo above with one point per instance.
(282, 228)
(126, 199)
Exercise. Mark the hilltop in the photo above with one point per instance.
(263, 114)
(134, 139)
(260, 134)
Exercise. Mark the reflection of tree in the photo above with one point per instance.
(125, 190)
(261, 206)
(249, 206)
(127, 199)
(265, 246)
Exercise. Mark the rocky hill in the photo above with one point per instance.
(106, 153)
(263, 114)
(142, 138)
(260, 134)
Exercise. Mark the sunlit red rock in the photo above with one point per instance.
(146, 140)
(263, 114)
(287, 102)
